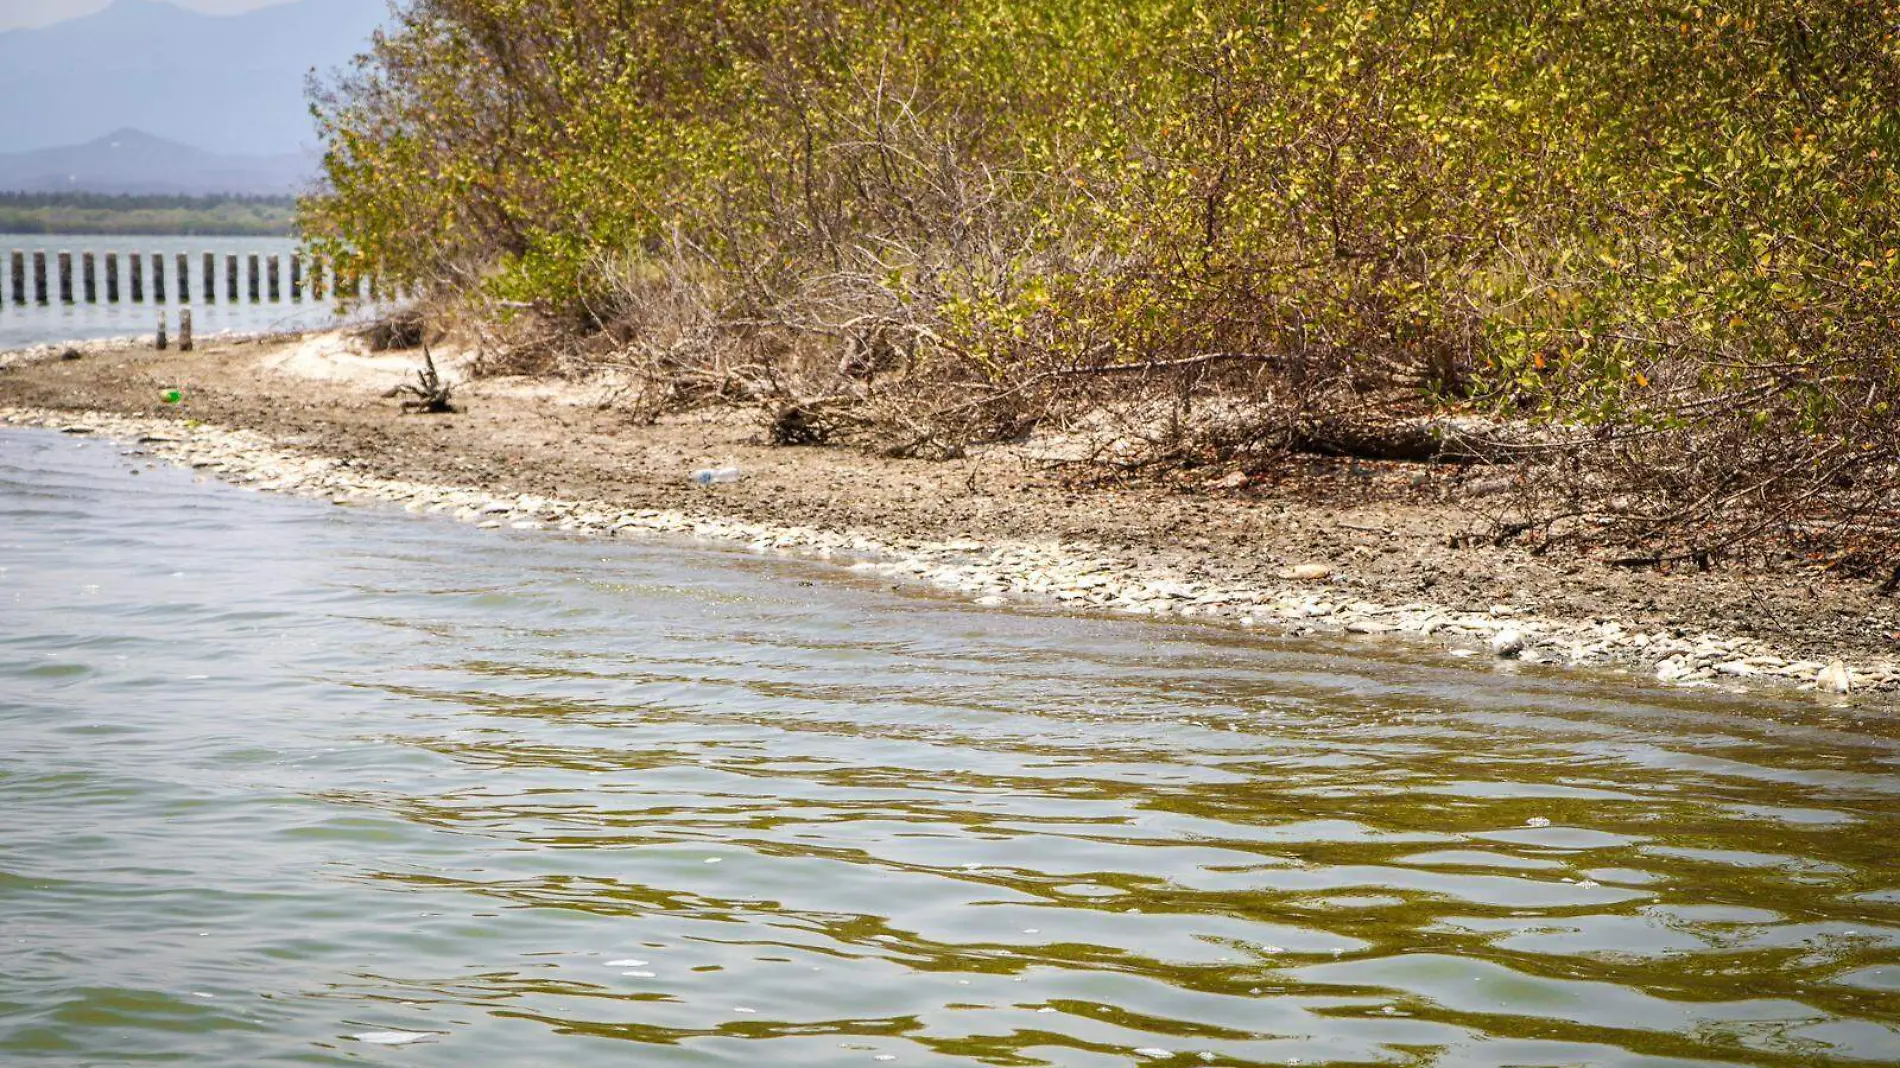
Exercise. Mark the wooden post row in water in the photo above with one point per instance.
(267, 277)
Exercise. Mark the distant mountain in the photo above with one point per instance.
(130, 161)
(231, 84)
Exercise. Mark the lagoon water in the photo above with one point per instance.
(286, 783)
(30, 323)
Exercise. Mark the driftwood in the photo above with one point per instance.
(428, 394)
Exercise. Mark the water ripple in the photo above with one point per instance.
(299, 785)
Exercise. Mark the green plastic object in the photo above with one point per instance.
(172, 396)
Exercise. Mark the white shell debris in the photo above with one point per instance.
(1078, 575)
(1835, 678)
(1507, 644)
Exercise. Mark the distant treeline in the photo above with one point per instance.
(105, 213)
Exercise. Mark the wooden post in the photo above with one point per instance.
(39, 276)
(184, 330)
(270, 278)
(230, 277)
(211, 277)
(251, 262)
(112, 278)
(19, 277)
(136, 265)
(184, 279)
(158, 278)
(161, 329)
(296, 278)
(89, 277)
(65, 277)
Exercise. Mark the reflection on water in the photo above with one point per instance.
(287, 783)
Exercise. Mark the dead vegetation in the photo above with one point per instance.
(402, 330)
(1637, 259)
(399, 330)
(429, 394)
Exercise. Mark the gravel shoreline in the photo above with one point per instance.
(1075, 575)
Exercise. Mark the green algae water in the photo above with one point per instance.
(284, 783)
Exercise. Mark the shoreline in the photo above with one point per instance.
(310, 415)
(996, 573)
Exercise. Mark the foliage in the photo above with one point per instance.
(1663, 233)
(104, 213)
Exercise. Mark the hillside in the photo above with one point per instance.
(131, 161)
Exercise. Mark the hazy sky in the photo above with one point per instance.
(18, 13)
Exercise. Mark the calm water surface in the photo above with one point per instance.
(32, 324)
(283, 783)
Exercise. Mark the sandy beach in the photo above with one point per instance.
(1383, 551)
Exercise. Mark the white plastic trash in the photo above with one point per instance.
(707, 476)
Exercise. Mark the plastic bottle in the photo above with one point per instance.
(707, 476)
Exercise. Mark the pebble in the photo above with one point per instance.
(1507, 644)
(1673, 670)
(1076, 574)
(1834, 678)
